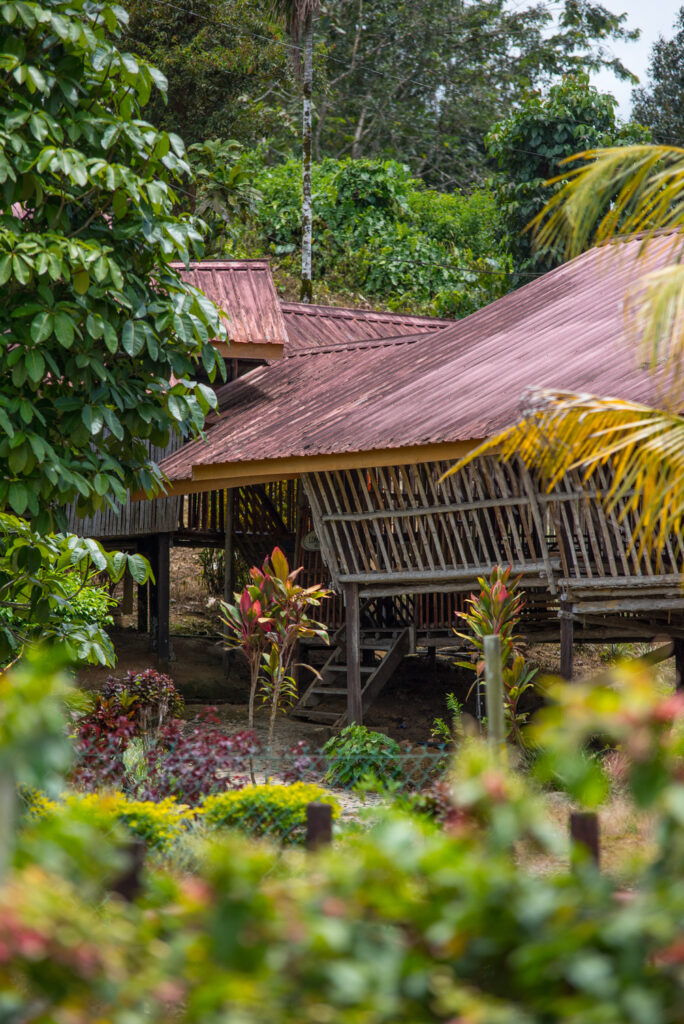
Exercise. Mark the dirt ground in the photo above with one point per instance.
(405, 710)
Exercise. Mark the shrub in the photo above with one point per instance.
(191, 765)
(359, 753)
(272, 810)
(159, 823)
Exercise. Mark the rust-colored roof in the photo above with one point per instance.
(565, 330)
(245, 290)
(309, 325)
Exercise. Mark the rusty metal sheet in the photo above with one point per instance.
(311, 325)
(245, 290)
(565, 330)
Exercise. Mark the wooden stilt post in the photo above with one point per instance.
(143, 596)
(153, 557)
(566, 641)
(229, 561)
(679, 663)
(353, 630)
(163, 608)
(126, 607)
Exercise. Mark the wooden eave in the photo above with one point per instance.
(239, 474)
(249, 350)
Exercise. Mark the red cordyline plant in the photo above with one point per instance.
(266, 622)
(497, 610)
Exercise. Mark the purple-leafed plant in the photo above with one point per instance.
(190, 763)
(266, 622)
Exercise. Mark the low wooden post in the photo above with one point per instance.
(318, 825)
(679, 663)
(129, 884)
(584, 831)
(353, 631)
(567, 630)
(494, 691)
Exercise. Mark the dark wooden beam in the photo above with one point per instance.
(163, 594)
(353, 623)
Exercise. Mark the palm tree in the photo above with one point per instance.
(613, 193)
(299, 16)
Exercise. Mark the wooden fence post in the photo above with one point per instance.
(584, 831)
(318, 825)
(494, 691)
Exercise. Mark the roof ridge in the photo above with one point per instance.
(310, 309)
(349, 346)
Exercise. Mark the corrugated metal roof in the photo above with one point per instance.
(245, 290)
(310, 325)
(566, 330)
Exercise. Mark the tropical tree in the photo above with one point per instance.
(608, 195)
(299, 16)
(659, 104)
(529, 147)
(100, 336)
(226, 66)
(424, 82)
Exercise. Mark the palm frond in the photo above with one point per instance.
(655, 308)
(621, 190)
(295, 14)
(562, 432)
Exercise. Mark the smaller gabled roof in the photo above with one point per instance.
(244, 289)
(309, 326)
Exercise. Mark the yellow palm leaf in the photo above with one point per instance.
(621, 190)
(644, 446)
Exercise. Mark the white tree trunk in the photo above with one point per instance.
(307, 210)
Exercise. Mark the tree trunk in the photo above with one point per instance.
(307, 212)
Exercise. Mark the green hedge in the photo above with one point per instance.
(272, 810)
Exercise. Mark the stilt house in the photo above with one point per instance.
(339, 448)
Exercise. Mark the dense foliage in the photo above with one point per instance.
(419, 82)
(423, 82)
(48, 591)
(659, 104)
(529, 147)
(100, 337)
(398, 922)
(380, 235)
(226, 66)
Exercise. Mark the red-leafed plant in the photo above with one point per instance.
(497, 610)
(190, 763)
(266, 622)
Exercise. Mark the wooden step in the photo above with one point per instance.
(338, 691)
(314, 716)
(343, 668)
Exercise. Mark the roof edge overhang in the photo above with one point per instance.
(239, 474)
(250, 350)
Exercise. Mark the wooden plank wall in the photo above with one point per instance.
(402, 529)
(135, 518)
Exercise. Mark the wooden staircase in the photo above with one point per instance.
(324, 702)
